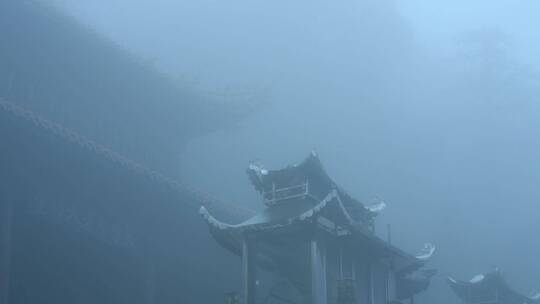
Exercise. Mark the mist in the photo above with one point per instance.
(430, 106)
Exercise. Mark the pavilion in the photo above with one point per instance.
(314, 243)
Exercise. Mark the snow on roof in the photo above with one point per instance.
(427, 252)
(377, 208)
(485, 286)
(258, 167)
(311, 174)
(272, 218)
(477, 278)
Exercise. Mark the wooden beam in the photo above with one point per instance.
(6, 223)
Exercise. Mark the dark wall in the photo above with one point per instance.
(88, 230)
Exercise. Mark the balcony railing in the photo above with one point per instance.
(278, 195)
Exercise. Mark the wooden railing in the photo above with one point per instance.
(277, 195)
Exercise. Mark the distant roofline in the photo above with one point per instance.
(70, 137)
(491, 284)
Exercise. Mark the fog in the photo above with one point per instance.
(431, 106)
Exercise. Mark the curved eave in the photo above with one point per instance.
(459, 287)
(477, 281)
(463, 289)
(260, 226)
(426, 253)
(215, 223)
(230, 236)
(412, 284)
(410, 263)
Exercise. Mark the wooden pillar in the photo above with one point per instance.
(249, 271)
(6, 222)
(318, 272)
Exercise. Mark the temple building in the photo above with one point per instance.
(489, 288)
(91, 197)
(314, 243)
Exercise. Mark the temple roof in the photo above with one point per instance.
(309, 171)
(297, 194)
(489, 287)
(321, 203)
(61, 69)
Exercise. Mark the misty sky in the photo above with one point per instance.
(135, 23)
(436, 21)
(412, 101)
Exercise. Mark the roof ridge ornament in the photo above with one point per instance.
(377, 207)
(258, 167)
(427, 252)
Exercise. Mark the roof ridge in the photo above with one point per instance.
(115, 157)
